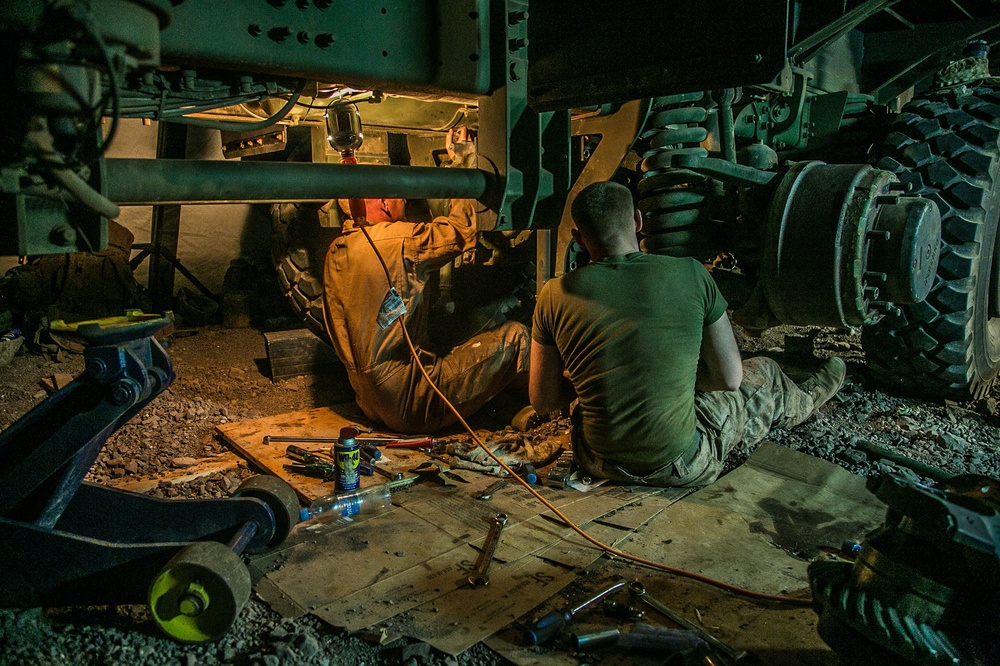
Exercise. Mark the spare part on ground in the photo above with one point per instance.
(745, 139)
(923, 588)
(68, 542)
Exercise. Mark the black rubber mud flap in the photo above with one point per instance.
(946, 146)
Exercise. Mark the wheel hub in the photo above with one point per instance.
(842, 246)
(193, 602)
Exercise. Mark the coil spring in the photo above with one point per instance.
(672, 199)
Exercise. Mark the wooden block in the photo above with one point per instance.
(298, 352)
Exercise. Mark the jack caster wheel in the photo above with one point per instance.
(197, 596)
(280, 498)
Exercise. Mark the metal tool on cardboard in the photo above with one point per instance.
(430, 452)
(480, 571)
(487, 493)
(375, 439)
(737, 656)
(392, 476)
(551, 624)
(688, 646)
(622, 611)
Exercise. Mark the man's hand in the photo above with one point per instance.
(548, 390)
(720, 367)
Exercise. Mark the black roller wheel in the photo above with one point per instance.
(197, 596)
(299, 250)
(280, 498)
(946, 146)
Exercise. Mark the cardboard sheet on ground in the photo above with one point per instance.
(351, 558)
(757, 526)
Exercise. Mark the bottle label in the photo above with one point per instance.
(348, 456)
(352, 506)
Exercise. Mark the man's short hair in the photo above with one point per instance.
(603, 212)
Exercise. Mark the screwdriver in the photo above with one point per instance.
(549, 626)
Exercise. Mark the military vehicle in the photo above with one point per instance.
(834, 163)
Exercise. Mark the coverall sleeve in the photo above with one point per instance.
(437, 242)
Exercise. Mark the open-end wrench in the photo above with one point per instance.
(487, 493)
(480, 572)
(638, 590)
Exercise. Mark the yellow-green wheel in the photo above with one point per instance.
(197, 596)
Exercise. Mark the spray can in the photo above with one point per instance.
(347, 455)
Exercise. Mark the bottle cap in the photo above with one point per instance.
(303, 515)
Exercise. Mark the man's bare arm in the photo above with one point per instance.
(547, 389)
(720, 367)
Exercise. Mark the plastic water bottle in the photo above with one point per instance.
(345, 507)
(9, 344)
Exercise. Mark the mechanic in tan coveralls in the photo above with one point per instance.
(389, 385)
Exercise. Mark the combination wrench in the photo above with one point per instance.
(638, 590)
(480, 571)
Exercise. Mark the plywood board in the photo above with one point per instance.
(458, 620)
(401, 592)
(247, 438)
(335, 564)
(631, 516)
(754, 527)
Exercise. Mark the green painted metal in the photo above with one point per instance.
(133, 182)
(528, 151)
(391, 45)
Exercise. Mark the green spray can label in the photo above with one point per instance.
(347, 454)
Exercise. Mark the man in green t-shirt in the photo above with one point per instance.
(645, 344)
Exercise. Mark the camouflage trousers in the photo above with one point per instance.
(727, 420)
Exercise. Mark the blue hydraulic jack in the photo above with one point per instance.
(67, 542)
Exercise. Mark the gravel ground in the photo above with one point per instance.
(222, 377)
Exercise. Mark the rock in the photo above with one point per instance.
(885, 467)
(953, 443)
(307, 645)
(183, 462)
(271, 660)
(421, 651)
(132, 467)
(852, 456)
(987, 406)
(285, 653)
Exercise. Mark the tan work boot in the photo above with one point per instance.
(825, 383)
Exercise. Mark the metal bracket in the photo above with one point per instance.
(528, 152)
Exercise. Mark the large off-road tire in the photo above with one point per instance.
(946, 146)
(299, 250)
